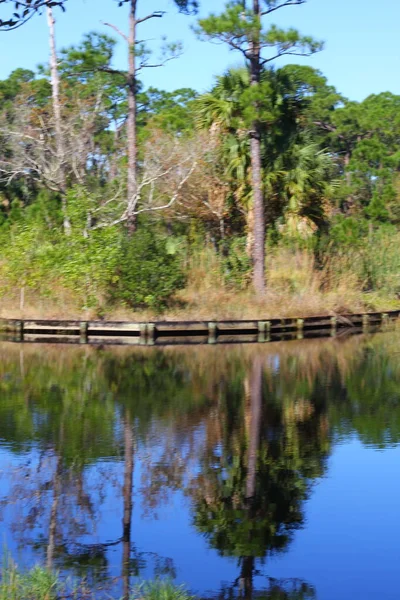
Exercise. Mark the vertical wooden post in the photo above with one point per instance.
(300, 324)
(365, 323)
(83, 332)
(333, 326)
(151, 334)
(385, 319)
(19, 331)
(262, 331)
(143, 333)
(212, 333)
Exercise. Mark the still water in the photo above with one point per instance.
(257, 470)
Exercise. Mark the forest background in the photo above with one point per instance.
(269, 194)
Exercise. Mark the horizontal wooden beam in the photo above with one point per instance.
(212, 331)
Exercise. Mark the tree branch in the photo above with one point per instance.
(284, 53)
(155, 66)
(174, 197)
(112, 71)
(155, 15)
(121, 33)
(287, 3)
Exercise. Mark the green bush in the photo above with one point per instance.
(368, 250)
(237, 264)
(36, 584)
(161, 589)
(148, 273)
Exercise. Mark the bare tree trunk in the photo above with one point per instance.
(55, 87)
(128, 504)
(131, 122)
(256, 169)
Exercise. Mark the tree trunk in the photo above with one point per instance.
(250, 232)
(114, 158)
(256, 169)
(254, 426)
(131, 122)
(55, 88)
(128, 504)
(253, 393)
(246, 577)
(51, 545)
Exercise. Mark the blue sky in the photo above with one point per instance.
(361, 54)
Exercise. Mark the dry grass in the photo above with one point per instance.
(295, 288)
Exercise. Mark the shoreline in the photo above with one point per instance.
(162, 332)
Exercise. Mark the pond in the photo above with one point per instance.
(264, 470)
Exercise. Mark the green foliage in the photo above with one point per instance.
(238, 26)
(169, 111)
(236, 264)
(161, 589)
(27, 255)
(36, 584)
(330, 170)
(369, 251)
(148, 275)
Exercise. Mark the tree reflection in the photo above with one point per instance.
(248, 497)
(243, 432)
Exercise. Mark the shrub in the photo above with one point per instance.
(148, 273)
(237, 264)
(161, 589)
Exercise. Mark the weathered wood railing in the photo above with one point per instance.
(194, 331)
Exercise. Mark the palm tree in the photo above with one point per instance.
(221, 112)
(306, 180)
(296, 173)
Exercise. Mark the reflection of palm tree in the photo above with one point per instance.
(255, 480)
(247, 562)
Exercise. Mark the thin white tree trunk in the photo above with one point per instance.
(131, 122)
(55, 87)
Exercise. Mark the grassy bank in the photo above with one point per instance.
(42, 584)
(296, 287)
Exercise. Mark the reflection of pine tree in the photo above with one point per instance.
(257, 476)
(128, 503)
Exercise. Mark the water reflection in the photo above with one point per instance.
(217, 446)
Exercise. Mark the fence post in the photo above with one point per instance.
(212, 333)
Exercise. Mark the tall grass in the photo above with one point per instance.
(36, 584)
(41, 584)
(161, 589)
(350, 279)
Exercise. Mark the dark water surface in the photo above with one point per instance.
(261, 470)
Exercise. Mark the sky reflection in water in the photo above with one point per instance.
(260, 470)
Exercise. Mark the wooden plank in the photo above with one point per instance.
(117, 326)
(188, 331)
(164, 327)
(41, 323)
(232, 326)
(50, 330)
